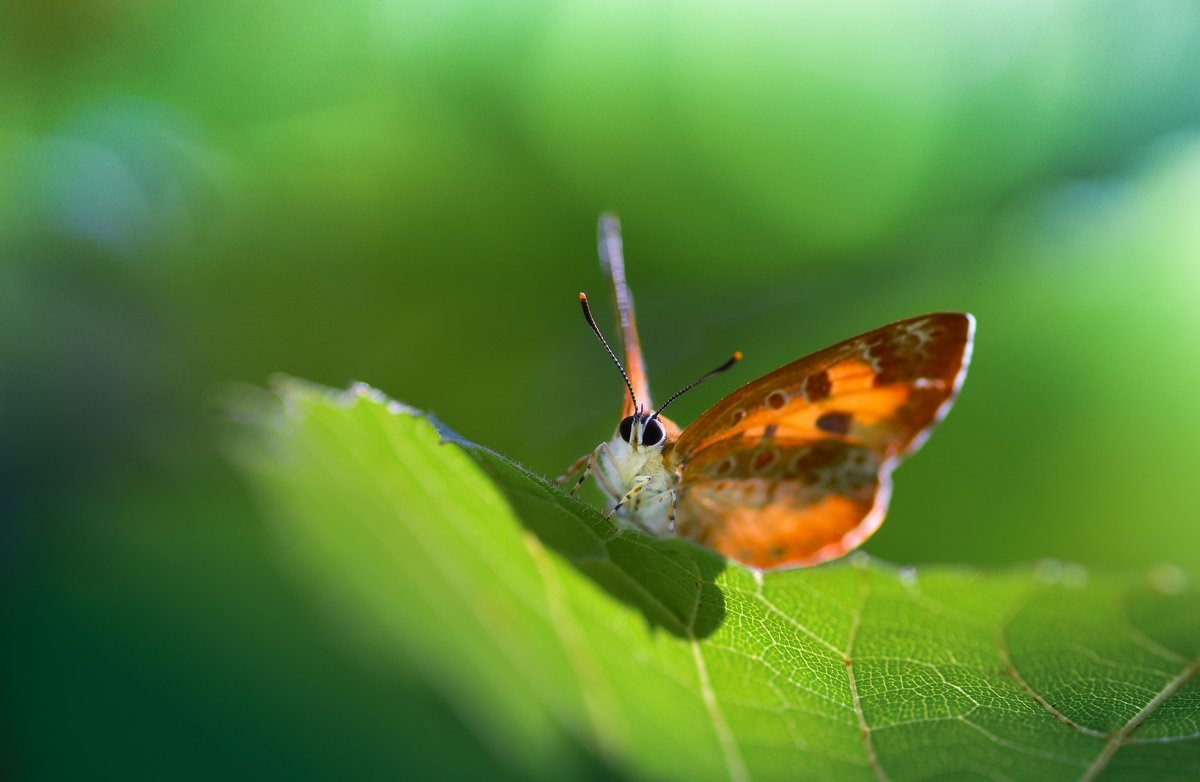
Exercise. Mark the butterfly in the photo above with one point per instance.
(791, 469)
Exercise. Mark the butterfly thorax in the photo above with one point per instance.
(624, 465)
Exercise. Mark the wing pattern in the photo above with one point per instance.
(794, 468)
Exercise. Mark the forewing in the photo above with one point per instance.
(884, 389)
(612, 261)
(794, 468)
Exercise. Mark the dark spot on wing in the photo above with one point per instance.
(817, 387)
(763, 460)
(834, 422)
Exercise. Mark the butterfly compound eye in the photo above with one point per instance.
(652, 434)
(626, 429)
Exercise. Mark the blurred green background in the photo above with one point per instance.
(405, 193)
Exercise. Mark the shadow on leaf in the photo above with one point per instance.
(671, 581)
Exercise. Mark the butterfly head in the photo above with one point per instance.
(642, 430)
(647, 429)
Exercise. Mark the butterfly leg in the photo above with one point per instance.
(669, 496)
(639, 483)
(602, 475)
(579, 464)
(588, 463)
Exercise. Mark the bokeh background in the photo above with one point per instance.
(405, 193)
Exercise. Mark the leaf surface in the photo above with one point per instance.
(545, 625)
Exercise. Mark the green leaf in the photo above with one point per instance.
(546, 627)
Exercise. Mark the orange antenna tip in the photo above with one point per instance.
(582, 296)
(736, 357)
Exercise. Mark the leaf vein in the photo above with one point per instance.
(1119, 737)
(738, 772)
(848, 657)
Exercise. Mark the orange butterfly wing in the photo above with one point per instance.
(794, 468)
(612, 261)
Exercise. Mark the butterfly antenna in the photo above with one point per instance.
(587, 313)
(736, 357)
